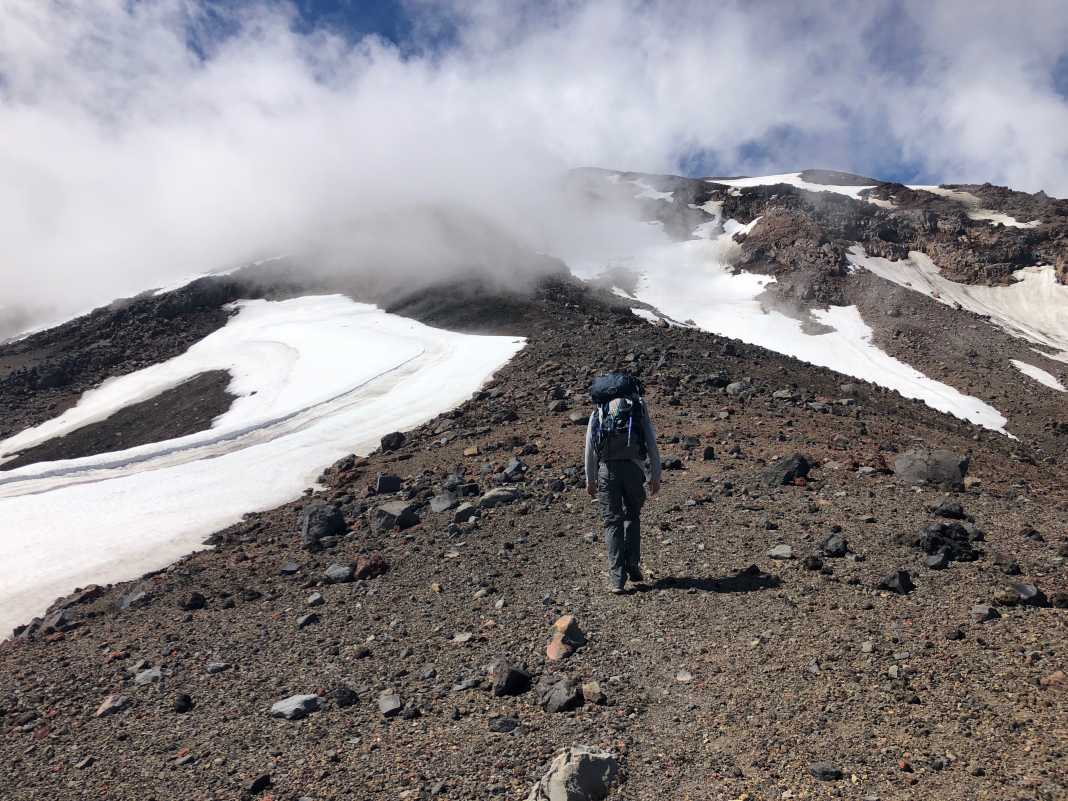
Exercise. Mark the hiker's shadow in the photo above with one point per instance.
(740, 582)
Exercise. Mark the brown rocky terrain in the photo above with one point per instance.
(728, 674)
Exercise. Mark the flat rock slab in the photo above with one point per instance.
(296, 707)
(498, 497)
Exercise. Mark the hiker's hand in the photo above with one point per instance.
(591, 490)
(654, 486)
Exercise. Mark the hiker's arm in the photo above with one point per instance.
(650, 446)
(591, 458)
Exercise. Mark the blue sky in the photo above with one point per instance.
(893, 40)
(386, 18)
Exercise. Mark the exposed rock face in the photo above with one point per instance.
(581, 773)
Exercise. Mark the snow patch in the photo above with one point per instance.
(793, 179)
(317, 378)
(651, 192)
(713, 208)
(974, 209)
(1040, 375)
(1034, 308)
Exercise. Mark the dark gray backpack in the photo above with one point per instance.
(619, 433)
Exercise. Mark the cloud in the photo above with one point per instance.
(148, 140)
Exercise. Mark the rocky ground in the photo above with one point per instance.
(729, 674)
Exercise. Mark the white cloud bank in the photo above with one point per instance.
(130, 157)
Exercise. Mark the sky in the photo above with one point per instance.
(143, 140)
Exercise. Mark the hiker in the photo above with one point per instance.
(620, 455)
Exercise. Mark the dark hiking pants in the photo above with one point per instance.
(621, 493)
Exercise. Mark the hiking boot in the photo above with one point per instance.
(616, 589)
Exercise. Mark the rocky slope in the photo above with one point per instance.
(729, 674)
(804, 237)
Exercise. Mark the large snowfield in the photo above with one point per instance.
(692, 282)
(316, 377)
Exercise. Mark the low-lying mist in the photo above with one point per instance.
(147, 142)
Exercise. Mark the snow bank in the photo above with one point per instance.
(692, 281)
(651, 192)
(1040, 375)
(974, 208)
(1034, 308)
(793, 179)
(318, 378)
(646, 315)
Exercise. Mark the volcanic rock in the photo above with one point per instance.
(317, 520)
(295, 707)
(396, 514)
(581, 773)
(940, 468)
(508, 679)
(786, 470)
(392, 441)
(899, 581)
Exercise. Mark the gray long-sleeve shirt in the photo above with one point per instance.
(651, 466)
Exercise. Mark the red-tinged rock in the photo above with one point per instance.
(566, 638)
(558, 649)
(370, 566)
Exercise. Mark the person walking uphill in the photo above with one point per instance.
(620, 455)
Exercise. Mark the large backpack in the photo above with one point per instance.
(619, 432)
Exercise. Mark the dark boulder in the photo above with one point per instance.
(559, 694)
(392, 441)
(386, 484)
(899, 581)
(834, 546)
(786, 470)
(192, 601)
(948, 508)
(398, 514)
(952, 540)
(318, 520)
(508, 679)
